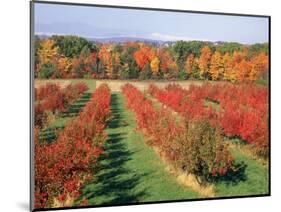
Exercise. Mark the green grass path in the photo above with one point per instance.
(255, 180)
(130, 171)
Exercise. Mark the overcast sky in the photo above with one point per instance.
(158, 25)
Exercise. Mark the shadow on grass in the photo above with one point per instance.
(76, 107)
(232, 177)
(50, 134)
(236, 140)
(116, 120)
(114, 183)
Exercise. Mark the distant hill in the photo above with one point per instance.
(119, 40)
(130, 39)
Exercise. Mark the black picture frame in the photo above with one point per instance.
(31, 106)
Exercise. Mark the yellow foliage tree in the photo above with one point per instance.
(189, 63)
(64, 64)
(204, 61)
(228, 71)
(47, 52)
(109, 69)
(105, 55)
(216, 67)
(116, 61)
(154, 65)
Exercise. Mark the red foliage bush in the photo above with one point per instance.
(244, 111)
(55, 99)
(43, 91)
(61, 167)
(188, 103)
(55, 102)
(81, 87)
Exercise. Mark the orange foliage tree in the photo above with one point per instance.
(237, 57)
(166, 61)
(144, 56)
(260, 64)
(243, 70)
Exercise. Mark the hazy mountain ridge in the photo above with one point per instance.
(120, 39)
(123, 39)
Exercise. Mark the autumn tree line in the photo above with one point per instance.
(75, 57)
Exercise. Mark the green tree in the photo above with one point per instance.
(257, 48)
(71, 46)
(183, 75)
(229, 47)
(47, 70)
(182, 49)
(127, 58)
(146, 73)
(37, 46)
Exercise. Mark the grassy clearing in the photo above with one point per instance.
(115, 85)
(262, 82)
(64, 82)
(130, 171)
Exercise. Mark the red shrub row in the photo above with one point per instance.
(194, 146)
(243, 108)
(61, 167)
(53, 98)
(249, 95)
(244, 111)
(188, 103)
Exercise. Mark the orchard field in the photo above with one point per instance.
(149, 145)
(133, 123)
